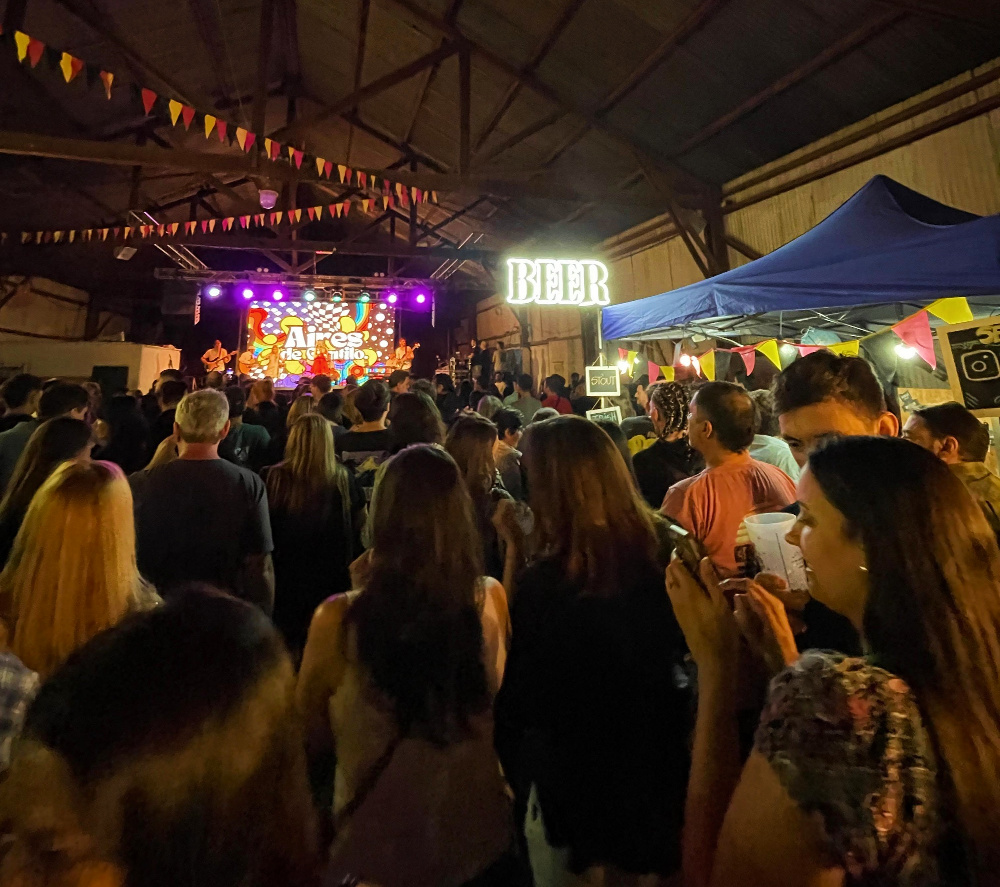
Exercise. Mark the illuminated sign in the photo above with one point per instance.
(291, 340)
(581, 283)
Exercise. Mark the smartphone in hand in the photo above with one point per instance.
(688, 549)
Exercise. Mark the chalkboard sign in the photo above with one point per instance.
(603, 382)
(608, 414)
(972, 356)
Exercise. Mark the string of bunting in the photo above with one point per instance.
(32, 51)
(914, 331)
(187, 229)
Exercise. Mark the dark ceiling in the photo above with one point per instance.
(575, 108)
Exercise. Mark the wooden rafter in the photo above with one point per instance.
(833, 53)
(451, 14)
(209, 25)
(566, 15)
(356, 97)
(612, 133)
(265, 41)
(984, 13)
(464, 110)
(692, 23)
(364, 7)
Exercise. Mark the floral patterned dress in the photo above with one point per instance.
(849, 745)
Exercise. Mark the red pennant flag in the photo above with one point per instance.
(220, 128)
(297, 156)
(386, 185)
(107, 78)
(363, 179)
(144, 231)
(347, 207)
(333, 210)
(227, 224)
(327, 168)
(808, 349)
(652, 370)
(148, 100)
(260, 218)
(70, 67)
(275, 150)
(392, 202)
(244, 221)
(190, 227)
(916, 332)
(418, 197)
(204, 226)
(35, 50)
(622, 354)
(188, 115)
(749, 355)
(311, 213)
(404, 198)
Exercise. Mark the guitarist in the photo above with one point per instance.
(216, 358)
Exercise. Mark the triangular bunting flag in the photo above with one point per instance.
(320, 163)
(211, 225)
(291, 152)
(335, 209)
(115, 232)
(144, 231)
(319, 212)
(244, 221)
(311, 212)
(668, 374)
(260, 218)
(807, 349)
(297, 157)
(707, 361)
(21, 40)
(251, 139)
(392, 201)
(267, 147)
(161, 230)
(128, 231)
(621, 353)
(327, 168)
(749, 356)
(174, 227)
(418, 195)
(227, 224)
(209, 124)
(57, 237)
(363, 179)
(107, 78)
(341, 169)
(188, 116)
(365, 204)
(241, 138)
(104, 233)
(175, 110)
(148, 100)
(72, 236)
(386, 185)
(220, 127)
(846, 349)
(770, 350)
(434, 196)
(204, 226)
(347, 207)
(413, 195)
(35, 50)
(399, 189)
(385, 201)
(954, 310)
(630, 358)
(70, 67)
(190, 227)
(88, 235)
(404, 198)
(275, 150)
(916, 332)
(298, 213)
(652, 370)
(25, 236)
(39, 236)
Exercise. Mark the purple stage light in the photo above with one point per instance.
(392, 298)
(421, 298)
(214, 292)
(248, 294)
(277, 295)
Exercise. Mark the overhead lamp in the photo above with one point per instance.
(623, 367)
(247, 293)
(905, 351)
(268, 198)
(392, 298)
(309, 295)
(277, 295)
(213, 292)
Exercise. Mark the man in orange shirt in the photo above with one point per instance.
(712, 505)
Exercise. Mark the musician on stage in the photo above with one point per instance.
(216, 358)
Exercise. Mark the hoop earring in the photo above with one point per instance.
(863, 568)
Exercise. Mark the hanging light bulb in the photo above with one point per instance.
(623, 366)
(905, 351)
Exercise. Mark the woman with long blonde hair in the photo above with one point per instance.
(317, 509)
(72, 571)
(591, 720)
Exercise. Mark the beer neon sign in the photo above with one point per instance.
(580, 283)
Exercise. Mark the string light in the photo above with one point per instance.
(905, 351)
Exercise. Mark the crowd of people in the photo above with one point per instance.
(413, 633)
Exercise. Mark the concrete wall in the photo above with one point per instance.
(76, 360)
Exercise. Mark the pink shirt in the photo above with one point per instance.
(711, 505)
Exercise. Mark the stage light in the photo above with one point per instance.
(214, 292)
(365, 297)
(247, 293)
(392, 298)
(309, 295)
(623, 367)
(421, 298)
(905, 351)
(277, 295)
(337, 298)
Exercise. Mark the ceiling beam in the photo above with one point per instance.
(451, 14)
(691, 24)
(833, 53)
(613, 134)
(976, 12)
(356, 97)
(567, 15)
(364, 6)
(265, 41)
(464, 111)
(209, 25)
(337, 247)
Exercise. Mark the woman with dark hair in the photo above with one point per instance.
(471, 441)
(165, 751)
(316, 509)
(874, 770)
(592, 722)
(414, 418)
(448, 401)
(52, 443)
(614, 431)
(669, 458)
(399, 676)
(465, 393)
(128, 435)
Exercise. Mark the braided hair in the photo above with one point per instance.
(672, 403)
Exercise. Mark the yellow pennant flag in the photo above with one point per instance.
(667, 373)
(267, 147)
(21, 40)
(319, 212)
(846, 349)
(770, 350)
(209, 124)
(708, 365)
(320, 163)
(241, 137)
(955, 310)
(175, 111)
(632, 355)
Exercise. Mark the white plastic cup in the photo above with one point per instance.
(767, 532)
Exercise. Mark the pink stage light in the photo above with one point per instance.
(248, 294)
(421, 298)
(277, 295)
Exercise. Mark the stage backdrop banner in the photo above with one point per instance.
(291, 340)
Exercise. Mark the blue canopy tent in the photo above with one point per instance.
(887, 244)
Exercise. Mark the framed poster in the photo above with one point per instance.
(972, 356)
(613, 414)
(603, 382)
